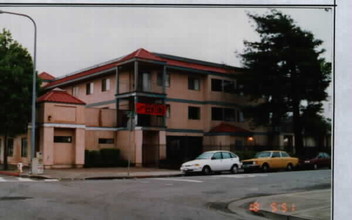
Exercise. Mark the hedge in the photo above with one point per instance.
(104, 158)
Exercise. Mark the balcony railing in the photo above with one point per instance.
(142, 120)
(125, 86)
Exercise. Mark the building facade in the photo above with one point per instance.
(153, 107)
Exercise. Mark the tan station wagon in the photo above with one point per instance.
(266, 160)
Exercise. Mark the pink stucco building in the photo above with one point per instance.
(153, 107)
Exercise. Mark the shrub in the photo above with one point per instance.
(109, 157)
(243, 155)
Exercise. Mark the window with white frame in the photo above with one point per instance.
(75, 91)
(193, 83)
(105, 85)
(89, 88)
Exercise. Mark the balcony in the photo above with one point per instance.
(146, 86)
(142, 120)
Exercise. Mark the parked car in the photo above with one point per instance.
(266, 160)
(315, 160)
(213, 161)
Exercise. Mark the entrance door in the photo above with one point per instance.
(150, 148)
(64, 147)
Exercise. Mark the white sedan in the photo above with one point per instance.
(213, 161)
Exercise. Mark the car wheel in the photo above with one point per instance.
(265, 167)
(206, 170)
(315, 166)
(289, 167)
(234, 169)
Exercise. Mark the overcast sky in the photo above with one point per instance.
(72, 38)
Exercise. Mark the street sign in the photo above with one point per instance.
(150, 109)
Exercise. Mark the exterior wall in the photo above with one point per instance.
(95, 117)
(98, 96)
(16, 156)
(61, 113)
(47, 145)
(92, 139)
(126, 144)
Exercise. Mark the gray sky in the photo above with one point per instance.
(72, 38)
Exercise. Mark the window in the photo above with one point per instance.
(217, 156)
(105, 85)
(216, 114)
(168, 111)
(106, 140)
(89, 88)
(219, 85)
(216, 85)
(226, 155)
(229, 114)
(24, 147)
(193, 83)
(284, 154)
(226, 114)
(193, 113)
(160, 79)
(276, 154)
(145, 82)
(229, 86)
(240, 117)
(10, 147)
(62, 139)
(75, 91)
(233, 155)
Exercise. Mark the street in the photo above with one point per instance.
(189, 197)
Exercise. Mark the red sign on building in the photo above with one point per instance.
(151, 109)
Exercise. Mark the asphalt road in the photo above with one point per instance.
(190, 197)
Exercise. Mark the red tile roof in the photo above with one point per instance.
(224, 127)
(46, 76)
(146, 55)
(142, 54)
(60, 96)
(195, 66)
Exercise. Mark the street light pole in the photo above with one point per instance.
(34, 79)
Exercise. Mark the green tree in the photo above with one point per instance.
(16, 69)
(285, 73)
(316, 126)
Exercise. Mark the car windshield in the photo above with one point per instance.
(263, 154)
(206, 155)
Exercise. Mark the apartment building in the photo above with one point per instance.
(153, 107)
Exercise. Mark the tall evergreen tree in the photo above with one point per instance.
(285, 72)
(16, 72)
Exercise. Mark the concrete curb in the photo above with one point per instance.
(88, 178)
(133, 177)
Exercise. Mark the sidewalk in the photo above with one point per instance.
(308, 205)
(96, 173)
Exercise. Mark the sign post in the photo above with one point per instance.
(130, 126)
